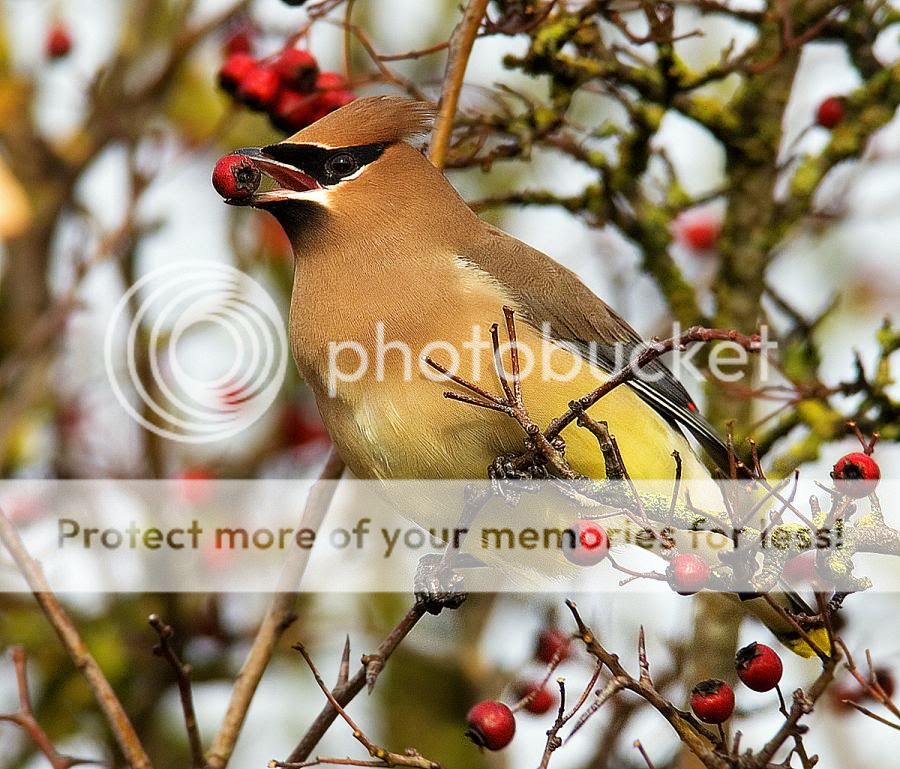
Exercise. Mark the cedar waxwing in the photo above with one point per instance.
(388, 252)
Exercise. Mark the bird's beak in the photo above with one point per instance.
(292, 182)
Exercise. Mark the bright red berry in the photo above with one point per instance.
(687, 573)
(195, 484)
(491, 725)
(259, 87)
(236, 177)
(712, 701)
(296, 68)
(294, 110)
(59, 41)
(331, 81)
(553, 643)
(539, 698)
(234, 69)
(588, 545)
(856, 474)
(831, 112)
(698, 229)
(759, 667)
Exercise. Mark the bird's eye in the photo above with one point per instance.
(341, 165)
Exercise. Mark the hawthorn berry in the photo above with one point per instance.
(540, 698)
(296, 68)
(553, 643)
(831, 112)
(233, 71)
(687, 573)
(759, 667)
(804, 569)
(588, 545)
(59, 41)
(330, 81)
(259, 87)
(293, 110)
(699, 229)
(236, 177)
(712, 701)
(856, 474)
(492, 725)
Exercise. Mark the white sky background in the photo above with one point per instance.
(858, 258)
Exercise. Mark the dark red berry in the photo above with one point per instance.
(587, 544)
(831, 112)
(235, 176)
(238, 42)
(759, 667)
(699, 229)
(259, 87)
(538, 699)
(804, 569)
(329, 101)
(234, 69)
(687, 573)
(59, 41)
(553, 643)
(331, 81)
(296, 68)
(491, 725)
(712, 701)
(856, 474)
(294, 110)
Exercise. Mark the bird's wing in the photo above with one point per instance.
(548, 293)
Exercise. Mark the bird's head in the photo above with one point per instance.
(353, 167)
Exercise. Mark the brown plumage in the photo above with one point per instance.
(376, 120)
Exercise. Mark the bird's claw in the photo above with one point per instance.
(437, 585)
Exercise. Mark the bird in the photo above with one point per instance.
(392, 264)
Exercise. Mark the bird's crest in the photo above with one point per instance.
(371, 120)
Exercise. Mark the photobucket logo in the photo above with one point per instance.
(546, 358)
(204, 349)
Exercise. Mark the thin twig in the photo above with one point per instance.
(279, 617)
(116, 717)
(457, 59)
(183, 677)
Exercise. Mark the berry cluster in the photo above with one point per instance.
(492, 724)
(758, 667)
(288, 86)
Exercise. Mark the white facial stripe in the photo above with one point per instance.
(320, 196)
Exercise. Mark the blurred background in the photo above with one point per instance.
(112, 116)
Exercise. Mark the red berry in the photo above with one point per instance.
(296, 68)
(699, 229)
(329, 101)
(331, 81)
(259, 87)
(831, 112)
(491, 725)
(235, 176)
(59, 41)
(540, 698)
(804, 569)
(856, 474)
(759, 667)
(195, 485)
(294, 110)
(239, 42)
(234, 69)
(590, 546)
(553, 643)
(687, 573)
(712, 701)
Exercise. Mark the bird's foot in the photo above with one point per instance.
(510, 479)
(437, 585)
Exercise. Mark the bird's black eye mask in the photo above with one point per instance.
(327, 166)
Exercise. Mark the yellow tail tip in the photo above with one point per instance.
(798, 645)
